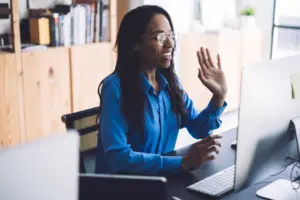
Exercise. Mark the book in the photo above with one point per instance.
(85, 22)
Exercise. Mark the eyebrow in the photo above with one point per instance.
(160, 31)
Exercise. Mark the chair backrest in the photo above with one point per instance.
(85, 123)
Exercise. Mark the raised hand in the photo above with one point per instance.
(210, 74)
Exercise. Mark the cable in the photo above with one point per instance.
(280, 171)
(297, 164)
(287, 158)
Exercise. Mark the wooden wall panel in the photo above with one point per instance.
(47, 92)
(89, 65)
(9, 108)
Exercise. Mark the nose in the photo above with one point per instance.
(169, 42)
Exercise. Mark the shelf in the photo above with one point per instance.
(40, 86)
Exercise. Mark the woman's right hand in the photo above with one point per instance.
(201, 152)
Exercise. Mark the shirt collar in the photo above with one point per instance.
(162, 81)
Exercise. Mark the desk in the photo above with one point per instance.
(177, 184)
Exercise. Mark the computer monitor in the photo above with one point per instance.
(266, 108)
(115, 187)
(44, 169)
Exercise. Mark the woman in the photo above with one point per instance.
(143, 105)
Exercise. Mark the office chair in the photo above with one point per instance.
(85, 123)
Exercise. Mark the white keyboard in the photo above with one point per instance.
(216, 184)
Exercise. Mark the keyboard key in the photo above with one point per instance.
(217, 184)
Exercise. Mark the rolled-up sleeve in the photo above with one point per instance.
(201, 124)
(113, 132)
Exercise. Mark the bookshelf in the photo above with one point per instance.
(40, 86)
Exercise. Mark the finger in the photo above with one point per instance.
(210, 157)
(219, 61)
(209, 144)
(200, 60)
(208, 138)
(200, 75)
(213, 149)
(212, 137)
(209, 58)
(215, 142)
(204, 58)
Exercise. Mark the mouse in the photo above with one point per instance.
(233, 144)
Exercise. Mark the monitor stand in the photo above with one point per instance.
(282, 188)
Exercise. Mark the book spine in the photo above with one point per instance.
(101, 21)
(92, 23)
(67, 30)
(105, 23)
(54, 30)
(87, 27)
(61, 30)
(97, 21)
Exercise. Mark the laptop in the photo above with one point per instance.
(116, 187)
(45, 169)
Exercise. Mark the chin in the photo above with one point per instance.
(165, 65)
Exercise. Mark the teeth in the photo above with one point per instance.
(167, 54)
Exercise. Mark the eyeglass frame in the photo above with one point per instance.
(173, 39)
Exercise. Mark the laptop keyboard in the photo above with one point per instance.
(216, 184)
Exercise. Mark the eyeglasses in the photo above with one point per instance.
(162, 37)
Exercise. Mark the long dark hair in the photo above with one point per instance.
(132, 28)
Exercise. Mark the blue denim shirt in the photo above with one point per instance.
(118, 152)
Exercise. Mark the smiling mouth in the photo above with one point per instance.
(167, 55)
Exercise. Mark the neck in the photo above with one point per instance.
(150, 74)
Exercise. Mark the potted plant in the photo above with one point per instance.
(248, 17)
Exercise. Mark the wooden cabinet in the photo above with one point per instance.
(38, 87)
(56, 81)
(9, 107)
(90, 64)
(47, 91)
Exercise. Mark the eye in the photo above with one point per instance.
(161, 37)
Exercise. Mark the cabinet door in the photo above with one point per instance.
(90, 64)
(9, 107)
(47, 94)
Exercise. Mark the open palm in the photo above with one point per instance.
(211, 75)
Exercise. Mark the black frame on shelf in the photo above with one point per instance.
(274, 25)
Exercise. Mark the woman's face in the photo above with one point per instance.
(157, 44)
